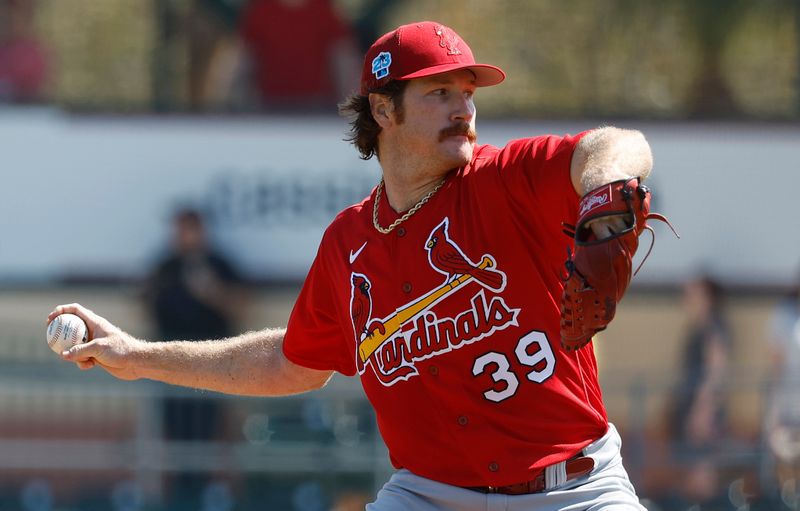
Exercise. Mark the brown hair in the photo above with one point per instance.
(364, 129)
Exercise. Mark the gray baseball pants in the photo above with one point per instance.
(606, 488)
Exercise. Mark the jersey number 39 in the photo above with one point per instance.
(533, 350)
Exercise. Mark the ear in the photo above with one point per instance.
(382, 109)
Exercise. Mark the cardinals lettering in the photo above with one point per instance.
(391, 350)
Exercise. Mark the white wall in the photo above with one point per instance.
(93, 195)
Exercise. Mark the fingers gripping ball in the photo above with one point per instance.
(599, 270)
(65, 331)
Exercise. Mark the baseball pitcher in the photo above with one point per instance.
(464, 292)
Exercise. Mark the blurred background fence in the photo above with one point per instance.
(114, 114)
(84, 441)
(671, 59)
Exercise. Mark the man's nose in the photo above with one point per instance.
(464, 110)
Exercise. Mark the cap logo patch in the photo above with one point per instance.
(448, 40)
(380, 65)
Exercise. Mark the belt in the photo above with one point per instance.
(574, 467)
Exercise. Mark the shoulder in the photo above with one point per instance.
(349, 224)
(353, 214)
(484, 152)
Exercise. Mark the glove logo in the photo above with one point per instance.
(391, 347)
(594, 200)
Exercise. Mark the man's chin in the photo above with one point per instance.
(458, 153)
(465, 152)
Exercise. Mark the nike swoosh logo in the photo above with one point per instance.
(354, 255)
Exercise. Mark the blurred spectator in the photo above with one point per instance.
(194, 293)
(713, 23)
(23, 64)
(783, 417)
(697, 419)
(302, 54)
(370, 24)
(217, 57)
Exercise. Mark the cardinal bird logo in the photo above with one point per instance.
(447, 258)
(361, 312)
(360, 305)
(448, 40)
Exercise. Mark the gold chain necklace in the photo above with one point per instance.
(403, 218)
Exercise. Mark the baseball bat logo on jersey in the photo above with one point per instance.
(391, 350)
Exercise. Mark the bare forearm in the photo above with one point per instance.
(224, 365)
(609, 154)
(251, 364)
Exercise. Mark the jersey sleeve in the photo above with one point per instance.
(536, 171)
(314, 337)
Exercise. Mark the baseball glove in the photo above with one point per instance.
(599, 271)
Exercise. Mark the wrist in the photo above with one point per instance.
(141, 356)
(592, 180)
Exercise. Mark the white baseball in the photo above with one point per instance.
(65, 331)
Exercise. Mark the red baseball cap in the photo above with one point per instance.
(422, 49)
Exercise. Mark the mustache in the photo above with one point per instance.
(459, 129)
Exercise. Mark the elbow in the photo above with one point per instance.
(609, 154)
(628, 150)
(621, 141)
(641, 151)
(290, 378)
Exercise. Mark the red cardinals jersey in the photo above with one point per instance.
(452, 320)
